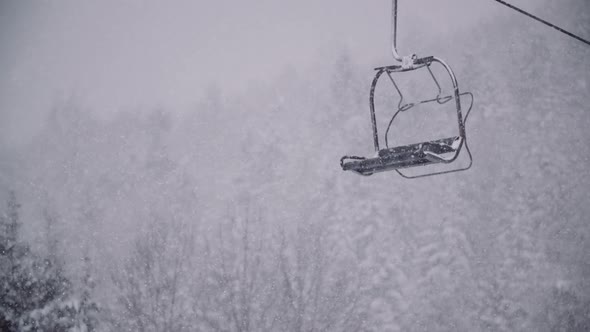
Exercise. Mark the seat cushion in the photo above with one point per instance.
(404, 156)
(440, 146)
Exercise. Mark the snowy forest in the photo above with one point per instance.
(236, 215)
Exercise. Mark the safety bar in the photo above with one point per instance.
(455, 95)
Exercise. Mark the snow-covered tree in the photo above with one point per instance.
(35, 294)
(152, 283)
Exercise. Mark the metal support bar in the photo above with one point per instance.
(396, 55)
(456, 93)
(372, 109)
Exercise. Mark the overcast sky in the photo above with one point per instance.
(127, 54)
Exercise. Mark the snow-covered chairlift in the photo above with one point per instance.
(440, 151)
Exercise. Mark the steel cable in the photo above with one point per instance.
(543, 21)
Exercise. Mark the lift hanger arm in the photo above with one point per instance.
(396, 55)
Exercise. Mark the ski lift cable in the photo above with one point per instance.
(543, 21)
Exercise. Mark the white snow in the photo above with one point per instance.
(457, 143)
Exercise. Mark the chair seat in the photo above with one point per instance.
(419, 154)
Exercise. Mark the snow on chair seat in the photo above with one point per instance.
(438, 151)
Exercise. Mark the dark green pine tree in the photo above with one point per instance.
(35, 295)
(10, 256)
(9, 225)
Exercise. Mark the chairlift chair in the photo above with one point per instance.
(440, 151)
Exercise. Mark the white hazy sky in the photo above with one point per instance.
(121, 54)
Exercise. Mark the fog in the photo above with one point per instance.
(115, 55)
(178, 164)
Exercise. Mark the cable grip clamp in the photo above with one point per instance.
(408, 61)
